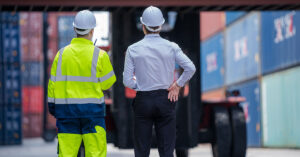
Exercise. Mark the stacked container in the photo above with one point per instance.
(242, 69)
(32, 68)
(10, 77)
(280, 82)
(230, 61)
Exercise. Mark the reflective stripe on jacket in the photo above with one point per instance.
(79, 73)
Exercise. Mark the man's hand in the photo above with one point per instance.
(173, 92)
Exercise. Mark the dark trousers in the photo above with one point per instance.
(154, 108)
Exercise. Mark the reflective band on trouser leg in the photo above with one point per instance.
(95, 143)
(76, 100)
(69, 144)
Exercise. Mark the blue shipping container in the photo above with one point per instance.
(1, 105)
(242, 49)
(252, 108)
(13, 124)
(280, 41)
(212, 66)
(32, 73)
(65, 32)
(12, 83)
(10, 37)
(1, 84)
(1, 124)
(232, 16)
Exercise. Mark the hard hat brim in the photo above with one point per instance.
(141, 19)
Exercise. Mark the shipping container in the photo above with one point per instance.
(211, 23)
(32, 73)
(212, 63)
(280, 104)
(65, 32)
(242, 49)
(10, 37)
(1, 124)
(31, 27)
(52, 33)
(12, 83)
(1, 105)
(33, 99)
(13, 121)
(232, 16)
(217, 94)
(1, 84)
(280, 41)
(32, 125)
(1, 35)
(252, 109)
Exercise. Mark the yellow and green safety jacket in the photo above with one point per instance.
(79, 73)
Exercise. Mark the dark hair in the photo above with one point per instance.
(150, 32)
(79, 35)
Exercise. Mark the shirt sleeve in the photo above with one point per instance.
(128, 74)
(188, 66)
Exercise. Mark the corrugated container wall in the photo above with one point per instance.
(31, 36)
(252, 109)
(232, 16)
(242, 49)
(211, 23)
(11, 79)
(52, 37)
(280, 40)
(1, 101)
(65, 30)
(212, 66)
(10, 38)
(280, 101)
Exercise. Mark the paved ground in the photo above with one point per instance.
(38, 148)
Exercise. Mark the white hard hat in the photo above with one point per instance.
(152, 17)
(84, 20)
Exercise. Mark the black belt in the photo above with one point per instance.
(152, 92)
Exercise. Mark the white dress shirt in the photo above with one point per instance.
(150, 64)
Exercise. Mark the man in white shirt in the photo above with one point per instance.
(149, 69)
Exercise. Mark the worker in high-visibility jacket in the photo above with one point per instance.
(79, 73)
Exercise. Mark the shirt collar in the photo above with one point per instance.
(151, 35)
(81, 41)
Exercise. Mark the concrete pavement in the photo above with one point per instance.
(38, 148)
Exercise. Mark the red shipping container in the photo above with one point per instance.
(31, 26)
(211, 23)
(32, 99)
(52, 36)
(32, 125)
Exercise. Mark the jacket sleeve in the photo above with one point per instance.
(51, 86)
(106, 75)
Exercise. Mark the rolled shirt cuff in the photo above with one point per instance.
(180, 83)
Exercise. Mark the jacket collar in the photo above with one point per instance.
(81, 41)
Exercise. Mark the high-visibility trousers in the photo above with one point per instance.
(72, 131)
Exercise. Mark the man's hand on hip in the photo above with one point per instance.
(173, 92)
